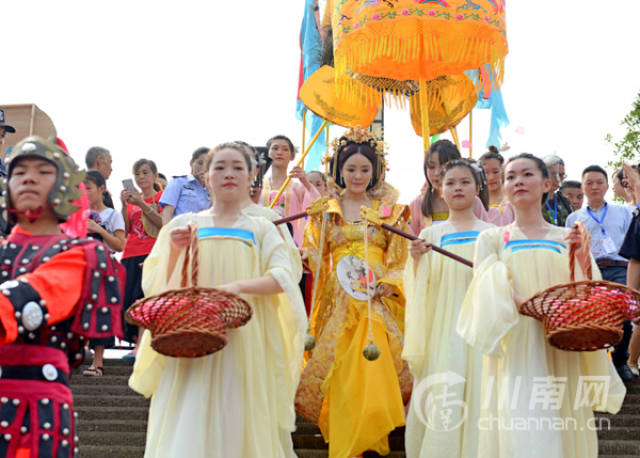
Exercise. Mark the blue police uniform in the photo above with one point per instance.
(185, 194)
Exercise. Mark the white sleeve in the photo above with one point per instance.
(117, 221)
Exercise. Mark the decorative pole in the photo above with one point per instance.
(299, 163)
(424, 109)
(454, 135)
(304, 127)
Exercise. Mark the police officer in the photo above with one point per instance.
(187, 193)
(4, 129)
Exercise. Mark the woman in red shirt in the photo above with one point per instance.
(142, 221)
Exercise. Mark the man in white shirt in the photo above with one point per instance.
(608, 224)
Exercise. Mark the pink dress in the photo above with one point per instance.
(294, 199)
(419, 221)
(501, 214)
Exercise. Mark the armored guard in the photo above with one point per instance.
(55, 291)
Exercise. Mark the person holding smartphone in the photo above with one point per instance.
(141, 212)
(621, 189)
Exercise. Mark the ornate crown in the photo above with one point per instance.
(358, 135)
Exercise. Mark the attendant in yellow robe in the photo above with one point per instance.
(537, 400)
(356, 402)
(445, 404)
(237, 402)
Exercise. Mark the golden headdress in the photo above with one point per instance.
(375, 153)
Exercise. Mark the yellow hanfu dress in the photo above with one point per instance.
(356, 402)
(237, 402)
(445, 403)
(537, 400)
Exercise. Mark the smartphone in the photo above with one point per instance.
(128, 185)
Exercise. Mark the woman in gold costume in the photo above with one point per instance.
(356, 402)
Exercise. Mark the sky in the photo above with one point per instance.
(158, 79)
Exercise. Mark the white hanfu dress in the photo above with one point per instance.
(537, 400)
(445, 404)
(237, 402)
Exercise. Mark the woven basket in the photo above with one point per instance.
(585, 315)
(191, 321)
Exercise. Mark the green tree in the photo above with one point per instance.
(628, 148)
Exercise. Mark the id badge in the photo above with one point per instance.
(608, 246)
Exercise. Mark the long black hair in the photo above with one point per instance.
(351, 148)
(446, 151)
(540, 165)
(292, 149)
(476, 172)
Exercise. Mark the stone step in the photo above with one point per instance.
(316, 442)
(111, 415)
(618, 447)
(111, 451)
(86, 400)
(110, 438)
(621, 420)
(632, 398)
(620, 433)
(114, 362)
(79, 380)
(633, 387)
(617, 456)
(105, 390)
(121, 425)
(628, 409)
(124, 413)
(310, 442)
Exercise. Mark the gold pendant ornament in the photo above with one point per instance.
(371, 352)
(309, 342)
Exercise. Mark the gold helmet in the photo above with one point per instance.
(64, 191)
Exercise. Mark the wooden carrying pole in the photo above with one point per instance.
(371, 215)
(299, 163)
(447, 253)
(290, 218)
(326, 163)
